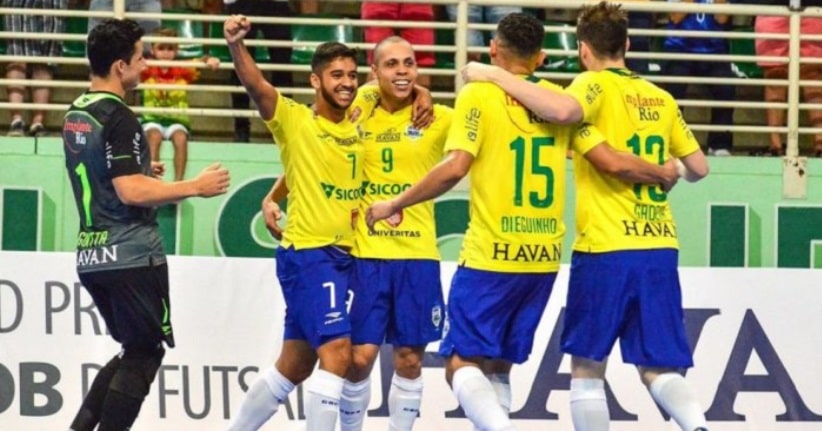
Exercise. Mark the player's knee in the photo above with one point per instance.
(408, 362)
(138, 367)
(335, 355)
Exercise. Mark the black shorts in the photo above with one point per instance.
(135, 304)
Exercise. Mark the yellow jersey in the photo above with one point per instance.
(635, 116)
(517, 178)
(323, 170)
(398, 155)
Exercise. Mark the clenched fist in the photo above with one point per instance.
(235, 28)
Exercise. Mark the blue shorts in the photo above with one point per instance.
(396, 301)
(632, 295)
(315, 289)
(495, 314)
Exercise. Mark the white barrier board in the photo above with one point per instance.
(757, 336)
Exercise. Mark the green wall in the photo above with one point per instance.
(735, 217)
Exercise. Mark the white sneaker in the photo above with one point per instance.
(719, 153)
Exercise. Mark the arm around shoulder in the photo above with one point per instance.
(693, 167)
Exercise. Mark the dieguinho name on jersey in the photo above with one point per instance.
(527, 252)
(520, 224)
(649, 229)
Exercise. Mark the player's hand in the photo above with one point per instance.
(212, 62)
(671, 174)
(272, 215)
(379, 210)
(158, 169)
(235, 28)
(355, 114)
(478, 72)
(422, 110)
(212, 181)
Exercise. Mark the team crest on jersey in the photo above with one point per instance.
(413, 133)
(436, 316)
(395, 219)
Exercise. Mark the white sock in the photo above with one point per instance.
(673, 393)
(477, 398)
(262, 400)
(353, 404)
(589, 408)
(502, 387)
(323, 401)
(404, 399)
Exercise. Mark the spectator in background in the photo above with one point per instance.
(149, 26)
(807, 71)
(720, 143)
(278, 55)
(640, 21)
(24, 46)
(401, 12)
(481, 14)
(174, 127)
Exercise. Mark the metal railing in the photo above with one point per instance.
(460, 52)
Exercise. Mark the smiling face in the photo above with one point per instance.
(396, 69)
(336, 84)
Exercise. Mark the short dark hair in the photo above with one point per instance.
(521, 34)
(604, 27)
(328, 52)
(109, 41)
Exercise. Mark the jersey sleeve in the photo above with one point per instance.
(368, 97)
(585, 138)
(124, 138)
(683, 141)
(466, 132)
(443, 118)
(284, 117)
(587, 90)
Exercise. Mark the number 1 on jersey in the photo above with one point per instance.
(81, 172)
(353, 158)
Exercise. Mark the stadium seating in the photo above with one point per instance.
(745, 69)
(341, 32)
(561, 40)
(186, 29)
(75, 25)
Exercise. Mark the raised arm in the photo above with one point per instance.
(554, 106)
(259, 89)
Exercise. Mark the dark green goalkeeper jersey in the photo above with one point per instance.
(103, 140)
